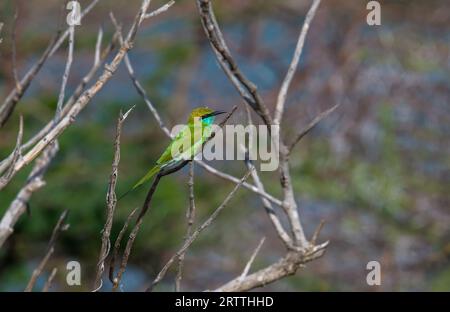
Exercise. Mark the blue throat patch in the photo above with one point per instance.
(208, 121)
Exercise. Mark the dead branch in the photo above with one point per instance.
(16, 94)
(282, 95)
(4, 164)
(59, 227)
(49, 281)
(286, 266)
(4, 180)
(19, 204)
(111, 201)
(251, 260)
(190, 217)
(310, 126)
(62, 92)
(245, 87)
(196, 233)
(87, 95)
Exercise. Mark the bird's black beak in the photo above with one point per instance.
(215, 113)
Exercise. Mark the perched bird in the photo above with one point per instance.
(185, 145)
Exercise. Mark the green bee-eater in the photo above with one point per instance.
(186, 144)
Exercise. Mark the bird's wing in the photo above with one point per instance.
(184, 145)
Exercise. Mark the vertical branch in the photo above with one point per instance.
(190, 217)
(111, 201)
(14, 51)
(61, 96)
(281, 100)
(245, 87)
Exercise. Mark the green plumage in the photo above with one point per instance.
(185, 145)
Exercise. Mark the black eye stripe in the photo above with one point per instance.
(212, 114)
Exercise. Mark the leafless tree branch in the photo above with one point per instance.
(246, 88)
(59, 227)
(190, 217)
(49, 281)
(16, 94)
(66, 71)
(310, 126)
(4, 164)
(282, 95)
(111, 201)
(20, 203)
(86, 96)
(196, 233)
(251, 260)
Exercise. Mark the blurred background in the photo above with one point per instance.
(377, 170)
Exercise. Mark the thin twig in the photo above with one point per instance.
(281, 99)
(162, 9)
(252, 259)
(62, 91)
(4, 180)
(86, 79)
(190, 217)
(111, 201)
(14, 50)
(49, 281)
(245, 87)
(311, 125)
(9, 104)
(20, 203)
(87, 95)
(115, 254)
(1, 27)
(196, 233)
(59, 227)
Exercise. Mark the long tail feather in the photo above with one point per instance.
(144, 179)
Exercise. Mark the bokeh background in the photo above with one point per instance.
(377, 170)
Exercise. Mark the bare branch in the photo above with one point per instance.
(20, 203)
(196, 233)
(317, 232)
(86, 79)
(49, 281)
(98, 47)
(1, 27)
(59, 227)
(162, 9)
(62, 91)
(310, 126)
(140, 90)
(252, 259)
(14, 50)
(15, 95)
(115, 281)
(190, 217)
(281, 100)
(4, 180)
(111, 201)
(87, 95)
(286, 266)
(245, 87)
